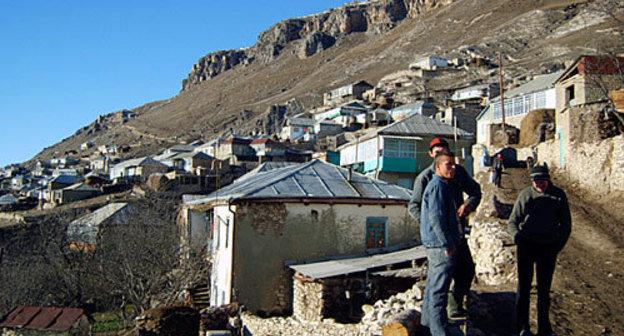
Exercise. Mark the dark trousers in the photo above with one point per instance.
(543, 257)
(497, 177)
(463, 272)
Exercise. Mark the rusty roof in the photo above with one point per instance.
(42, 318)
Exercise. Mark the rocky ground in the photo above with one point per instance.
(588, 281)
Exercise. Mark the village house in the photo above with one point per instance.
(84, 232)
(193, 171)
(538, 93)
(479, 94)
(180, 148)
(209, 147)
(462, 115)
(237, 151)
(7, 202)
(268, 150)
(192, 162)
(63, 162)
(86, 145)
(337, 287)
(429, 63)
(419, 107)
(66, 171)
(324, 128)
(588, 80)
(346, 93)
(38, 320)
(75, 192)
(345, 115)
(100, 164)
(298, 212)
(376, 117)
(140, 168)
(398, 152)
(61, 181)
(296, 128)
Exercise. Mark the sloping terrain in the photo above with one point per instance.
(533, 37)
(589, 277)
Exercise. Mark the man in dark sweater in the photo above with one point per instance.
(461, 183)
(540, 225)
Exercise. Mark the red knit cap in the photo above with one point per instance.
(438, 142)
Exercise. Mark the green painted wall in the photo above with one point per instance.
(392, 164)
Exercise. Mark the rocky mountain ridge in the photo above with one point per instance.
(312, 34)
(294, 62)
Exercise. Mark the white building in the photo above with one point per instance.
(298, 212)
(539, 93)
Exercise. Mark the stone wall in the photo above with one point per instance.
(308, 299)
(494, 259)
(375, 317)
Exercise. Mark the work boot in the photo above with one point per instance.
(455, 307)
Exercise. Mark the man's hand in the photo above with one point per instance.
(450, 252)
(464, 210)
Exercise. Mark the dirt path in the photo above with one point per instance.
(588, 285)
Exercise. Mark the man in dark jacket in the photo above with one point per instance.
(441, 236)
(540, 225)
(464, 271)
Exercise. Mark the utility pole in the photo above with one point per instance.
(502, 91)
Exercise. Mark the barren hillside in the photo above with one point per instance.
(297, 60)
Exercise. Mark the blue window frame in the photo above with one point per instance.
(376, 232)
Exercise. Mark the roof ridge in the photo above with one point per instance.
(278, 177)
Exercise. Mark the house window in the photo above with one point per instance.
(569, 95)
(376, 232)
(400, 148)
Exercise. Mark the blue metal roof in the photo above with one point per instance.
(311, 180)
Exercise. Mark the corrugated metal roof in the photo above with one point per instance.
(412, 106)
(301, 121)
(331, 268)
(539, 83)
(85, 229)
(42, 318)
(420, 125)
(65, 179)
(142, 161)
(20, 316)
(8, 199)
(415, 272)
(314, 179)
(81, 187)
(66, 320)
(45, 318)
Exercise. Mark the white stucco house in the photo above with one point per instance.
(294, 213)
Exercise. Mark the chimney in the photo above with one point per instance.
(349, 174)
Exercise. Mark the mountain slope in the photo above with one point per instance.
(297, 60)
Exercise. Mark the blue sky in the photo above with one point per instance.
(63, 63)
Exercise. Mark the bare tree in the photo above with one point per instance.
(137, 263)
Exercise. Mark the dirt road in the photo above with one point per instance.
(588, 285)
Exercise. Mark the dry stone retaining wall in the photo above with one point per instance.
(375, 317)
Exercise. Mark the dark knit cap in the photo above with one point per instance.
(540, 173)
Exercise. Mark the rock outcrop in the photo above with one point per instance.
(312, 34)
